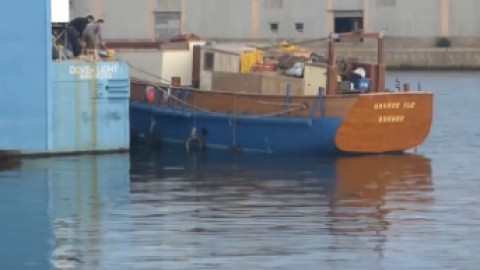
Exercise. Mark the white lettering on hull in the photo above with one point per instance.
(86, 72)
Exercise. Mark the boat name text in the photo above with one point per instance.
(86, 72)
(394, 105)
(386, 119)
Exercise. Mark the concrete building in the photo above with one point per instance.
(270, 19)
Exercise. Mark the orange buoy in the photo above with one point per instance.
(150, 94)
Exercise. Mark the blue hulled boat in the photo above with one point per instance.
(359, 118)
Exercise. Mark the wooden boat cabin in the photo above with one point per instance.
(260, 69)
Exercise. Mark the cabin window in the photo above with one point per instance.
(167, 25)
(208, 61)
(299, 27)
(274, 27)
(348, 21)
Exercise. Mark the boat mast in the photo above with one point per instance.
(381, 63)
(332, 68)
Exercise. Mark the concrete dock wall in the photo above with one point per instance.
(412, 53)
(435, 59)
(422, 59)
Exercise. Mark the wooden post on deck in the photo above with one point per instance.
(381, 64)
(332, 83)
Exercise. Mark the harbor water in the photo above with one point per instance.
(165, 209)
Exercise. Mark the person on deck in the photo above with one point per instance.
(93, 37)
(75, 32)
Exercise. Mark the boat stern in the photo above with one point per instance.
(386, 122)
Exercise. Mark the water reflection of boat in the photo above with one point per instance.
(349, 172)
(327, 204)
(374, 193)
(366, 179)
(366, 185)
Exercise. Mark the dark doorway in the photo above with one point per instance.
(348, 24)
(348, 20)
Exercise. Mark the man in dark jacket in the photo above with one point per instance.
(74, 33)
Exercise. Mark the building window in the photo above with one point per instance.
(348, 21)
(299, 27)
(167, 25)
(273, 4)
(274, 27)
(208, 60)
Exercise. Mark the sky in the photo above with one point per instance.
(60, 10)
